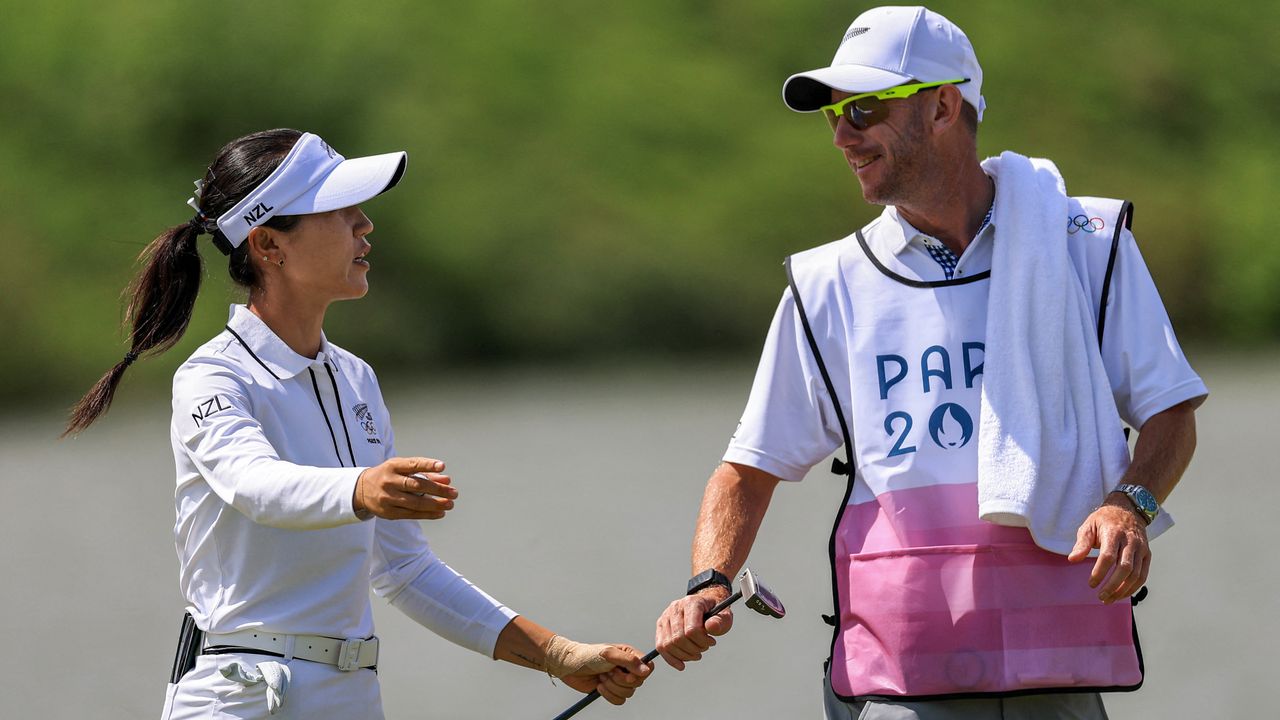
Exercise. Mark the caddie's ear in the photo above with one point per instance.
(946, 109)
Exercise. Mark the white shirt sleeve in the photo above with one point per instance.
(789, 424)
(434, 595)
(213, 422)
(417, 583)
(1144, 362)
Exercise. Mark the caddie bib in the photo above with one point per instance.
(932, 601)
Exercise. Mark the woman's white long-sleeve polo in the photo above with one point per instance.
(268, 445)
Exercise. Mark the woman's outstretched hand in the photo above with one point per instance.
(404, 489)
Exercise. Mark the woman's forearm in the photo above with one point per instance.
(523, 642)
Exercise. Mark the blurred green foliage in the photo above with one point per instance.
(591, 180)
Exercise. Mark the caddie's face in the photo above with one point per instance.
(889, 158)
(325, 254)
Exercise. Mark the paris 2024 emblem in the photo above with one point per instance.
(950, 426)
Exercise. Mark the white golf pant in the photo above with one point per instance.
(217, 688)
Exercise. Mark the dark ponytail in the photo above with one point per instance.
(163, 295)
(160, 303)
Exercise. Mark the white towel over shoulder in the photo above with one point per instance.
(1050, 444)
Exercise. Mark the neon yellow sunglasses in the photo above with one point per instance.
(863, 111)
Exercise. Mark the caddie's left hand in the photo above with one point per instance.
(1120, 537)
(615, 671)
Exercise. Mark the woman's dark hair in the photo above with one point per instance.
(163, 294)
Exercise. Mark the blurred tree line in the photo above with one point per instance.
(598, 181)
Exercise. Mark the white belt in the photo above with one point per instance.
(347, 655)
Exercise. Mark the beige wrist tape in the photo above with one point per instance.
(566, 657)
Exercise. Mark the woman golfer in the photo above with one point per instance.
(291, 501)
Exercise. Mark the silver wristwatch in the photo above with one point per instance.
(1143, 501)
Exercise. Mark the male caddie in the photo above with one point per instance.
(977, 350)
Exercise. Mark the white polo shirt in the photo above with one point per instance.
(788, 425)
(268, 445)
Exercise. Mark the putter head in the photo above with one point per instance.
(759, 597)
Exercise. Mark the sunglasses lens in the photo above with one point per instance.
(861, 113)
(865, 112)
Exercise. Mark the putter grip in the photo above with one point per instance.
(591, 696)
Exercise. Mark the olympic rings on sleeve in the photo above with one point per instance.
(1083, 222)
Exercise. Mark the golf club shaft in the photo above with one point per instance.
(591, 696)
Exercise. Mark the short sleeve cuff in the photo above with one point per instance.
(760, 461)
(1180, 393)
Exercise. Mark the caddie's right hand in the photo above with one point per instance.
(682, 636)
(404, 489)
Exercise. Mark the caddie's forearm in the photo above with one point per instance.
(1164, 448)
(733, 507)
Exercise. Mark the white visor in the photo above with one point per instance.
(312, 178)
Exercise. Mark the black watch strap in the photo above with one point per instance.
(706, 578)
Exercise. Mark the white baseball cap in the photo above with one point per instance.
(312, 178)
(889, 46)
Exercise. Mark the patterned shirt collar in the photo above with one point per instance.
(902, 233)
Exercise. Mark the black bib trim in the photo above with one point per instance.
(862, 241)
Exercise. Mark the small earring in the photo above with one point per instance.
(264, 258)
(282, 263)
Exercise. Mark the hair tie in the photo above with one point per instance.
(129, 357)
(199, 224)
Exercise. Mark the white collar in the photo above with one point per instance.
(268, 349)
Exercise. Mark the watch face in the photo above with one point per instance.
(1146, 500)
(1143, 499)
